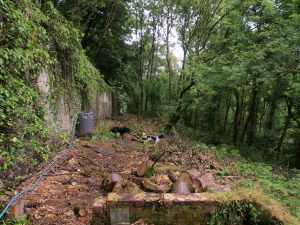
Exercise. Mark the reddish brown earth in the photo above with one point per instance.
(52, 202)
(76, 179)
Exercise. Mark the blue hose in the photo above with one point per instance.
(44, 172)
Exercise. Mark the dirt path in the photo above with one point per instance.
(52, 202)
(77, 178)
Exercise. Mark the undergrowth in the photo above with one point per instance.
(23, 220)
(280, 184)
(241, 212)
(103, 132)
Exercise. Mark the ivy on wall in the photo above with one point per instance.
(35, 38)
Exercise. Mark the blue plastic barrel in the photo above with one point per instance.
(86, 123)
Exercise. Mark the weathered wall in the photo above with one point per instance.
(160, 209)
(102, 108)
(61, 114)
(171, 209)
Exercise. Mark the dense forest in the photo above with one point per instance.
(224, 73)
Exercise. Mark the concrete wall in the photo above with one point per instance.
(60, 115)
(102, 108)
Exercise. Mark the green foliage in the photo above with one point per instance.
(87, 77)
(23, 52)
(156, 92)
(149, 172)
(246, 89)
(23, 220)
(79, 11)
(33, 40)
(75, 73)
(240, 212)
(234, 213)
(63, 33)
(275, 182)
(103, 132)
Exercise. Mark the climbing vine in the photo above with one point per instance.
(36, 38)
(23, 53)
(87, 78)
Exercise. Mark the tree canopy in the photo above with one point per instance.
(224, 71)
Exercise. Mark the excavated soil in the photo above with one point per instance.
(76, 179)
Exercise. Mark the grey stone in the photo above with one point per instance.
(119, 216)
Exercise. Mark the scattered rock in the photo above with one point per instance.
(94, 182)
(189, 176)
(50, 216)
(37, 217)
(163, 180)
(197, 185)
(143, 167)
(180, 188)
(17, 209)
(111, 180)
(72, 162)
(207, 180)
(82, 212)
(67, 180)
(99, 205)
(173, 176)
(69, 213)
(194, 173)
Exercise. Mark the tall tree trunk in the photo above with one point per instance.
(195, 124)
(236, 117)
(253, 121)
(182, 74)
(250, 124)
(146, 102)
(141, 97)
(271, 116)
(243, 107)
(168, 58)
(181, 106)
(228, 104)
(286, 126)
(141, 60)
(150, 73)
(141, 82)
(262, 115)
(213, 118)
